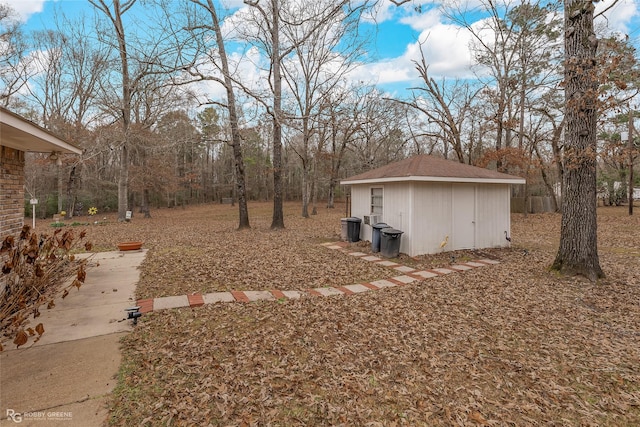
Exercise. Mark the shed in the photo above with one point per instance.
(18, 136)
(429, 198)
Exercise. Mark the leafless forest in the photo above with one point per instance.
(137, 99)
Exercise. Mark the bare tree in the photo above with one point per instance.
(268, 22)
(515, 45)
(445, 105)
(340, 122)
(14, 63)
(326, 46)
(114, 14)
(145, 90)
(381, 136)
(217, 56)
(64, 91)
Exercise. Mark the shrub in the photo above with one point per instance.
(35, 271)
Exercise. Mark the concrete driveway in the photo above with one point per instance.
(66, 377)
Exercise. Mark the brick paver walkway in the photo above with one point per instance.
(408, 275)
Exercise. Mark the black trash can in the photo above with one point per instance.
(375, 236)
(344, 233)
(390, 242)
(353, 229)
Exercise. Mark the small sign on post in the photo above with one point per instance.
(34, 202)
(128, 215)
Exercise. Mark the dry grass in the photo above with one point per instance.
(511, 344)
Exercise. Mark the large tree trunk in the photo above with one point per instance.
(314, 186)
(278, 213)
(305, 189)
(578, 251)
(146, 202)
(116, 20)
(332, 194)
(236, 138)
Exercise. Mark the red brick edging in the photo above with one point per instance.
(146, 305)
(195, 300)
(410, 275)
(240, 296)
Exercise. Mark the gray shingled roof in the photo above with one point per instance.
(429, 168)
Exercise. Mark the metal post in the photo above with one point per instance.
(631, 147)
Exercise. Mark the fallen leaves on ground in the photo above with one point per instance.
(198, 249)
(509, 344)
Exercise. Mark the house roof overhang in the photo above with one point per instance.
(21, 134)
(434, 179)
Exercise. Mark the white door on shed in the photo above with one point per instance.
(464, 216)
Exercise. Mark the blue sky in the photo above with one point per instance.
(398, 34)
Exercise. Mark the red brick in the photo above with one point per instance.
(345, 290)
(370, 286)
(195, 300)
(12, 184)
(240, 296)
(146, 305)
(277, 294)
(397, 282)
(314, 293)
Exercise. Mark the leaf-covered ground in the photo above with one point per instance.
(199, 249)
(510, 344)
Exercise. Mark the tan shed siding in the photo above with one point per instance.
(395, 207)
(12, 193)
(397, 201)
(493, 215)
(397, 204)
(360, 206)
(432, 220)
(424, 211)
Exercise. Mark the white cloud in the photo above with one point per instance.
(382, 11)
(423, 21)
(445, 47)
(620, 16)
(446, 52)
(26, 8)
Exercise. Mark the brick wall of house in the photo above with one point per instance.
(11, 191)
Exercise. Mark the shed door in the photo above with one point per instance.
(464, 216)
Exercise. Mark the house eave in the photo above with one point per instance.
(434, 179)
(20, 134)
